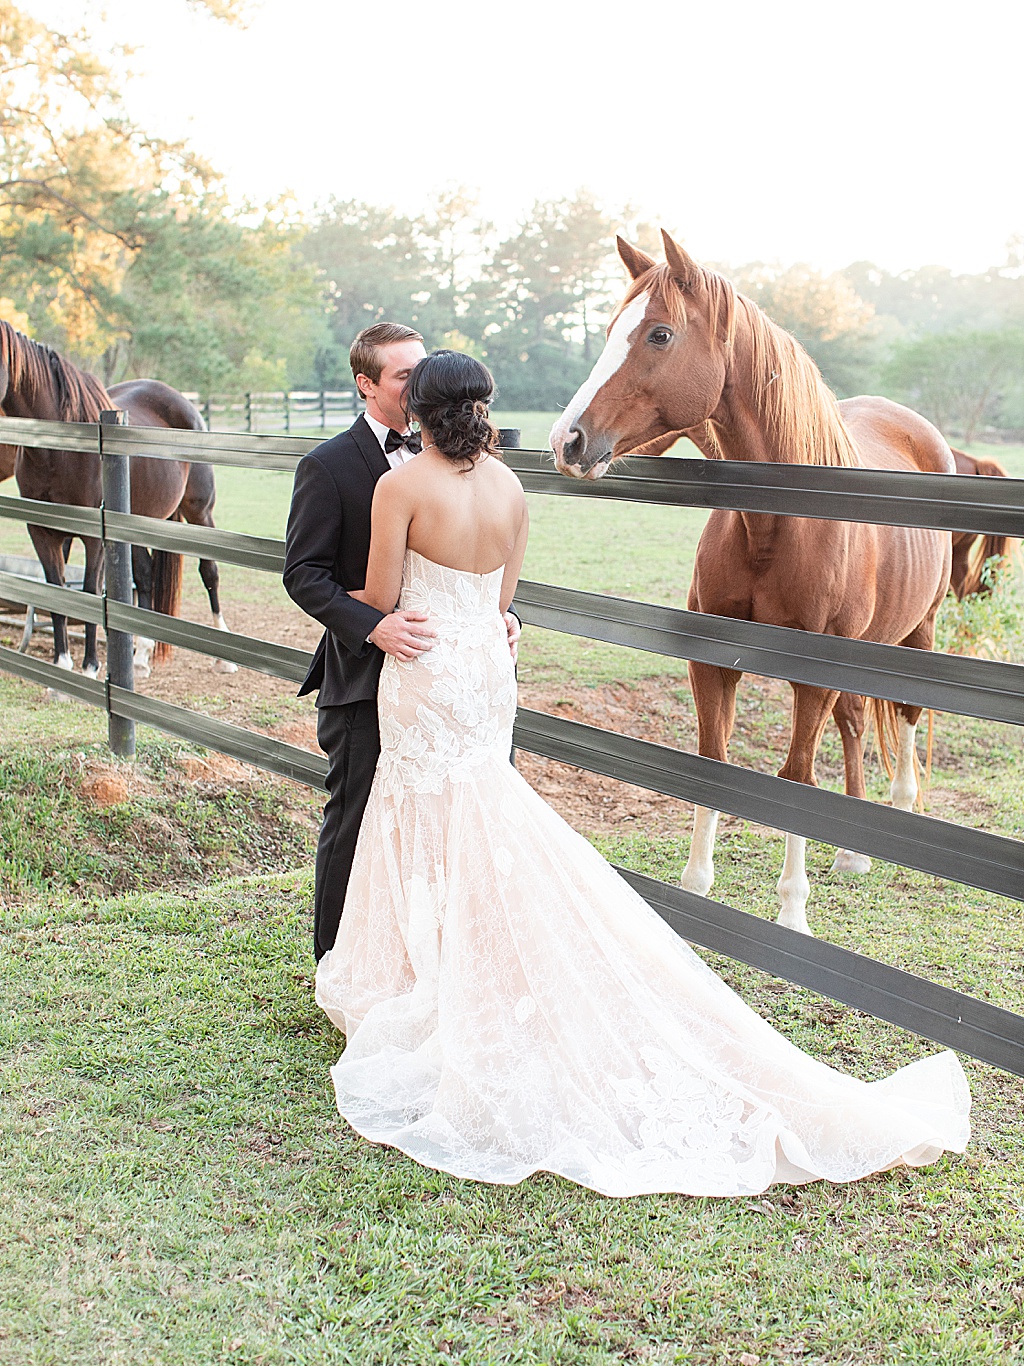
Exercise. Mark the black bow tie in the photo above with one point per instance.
(412, 442)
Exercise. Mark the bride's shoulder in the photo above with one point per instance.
(508, 477)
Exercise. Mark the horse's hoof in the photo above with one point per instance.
(91, 671)
(696, 882)
(796, 920)
(225, 666)
(849, 861)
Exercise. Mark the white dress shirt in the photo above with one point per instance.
(380, 430)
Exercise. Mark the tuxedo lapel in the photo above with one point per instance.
(369, 447)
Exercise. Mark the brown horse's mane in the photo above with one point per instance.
(800, 414)
(40, 372)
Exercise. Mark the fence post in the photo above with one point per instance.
(206, 413)
(323, 411)
(118, 584)
(287, 410)
(248, 412)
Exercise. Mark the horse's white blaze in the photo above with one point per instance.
(699, 873)
(903, 792)
(616, 349)
(794, 889)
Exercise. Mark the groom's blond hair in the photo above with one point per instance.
(364, 353)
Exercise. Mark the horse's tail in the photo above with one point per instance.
(985, 548)
(166, 592)
(984, 464)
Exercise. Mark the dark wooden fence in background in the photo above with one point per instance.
(277, 410)
(992, 690)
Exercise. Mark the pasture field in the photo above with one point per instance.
(180, 1192)
(179, 1188)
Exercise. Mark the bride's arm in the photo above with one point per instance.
(514, 563)
(389, 532)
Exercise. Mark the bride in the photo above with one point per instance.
(509, 1004)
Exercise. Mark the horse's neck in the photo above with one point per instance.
(740, 430)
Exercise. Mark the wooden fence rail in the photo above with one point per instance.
(988, 689)
(277, 410)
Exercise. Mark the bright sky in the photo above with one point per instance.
(791, 130)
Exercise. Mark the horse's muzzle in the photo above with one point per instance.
(580, 458)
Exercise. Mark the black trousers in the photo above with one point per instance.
(350, 738)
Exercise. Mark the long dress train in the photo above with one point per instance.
(510, 1005)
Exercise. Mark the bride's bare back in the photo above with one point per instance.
(471, 519)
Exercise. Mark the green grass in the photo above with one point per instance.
(179, 1189)
(178, 822)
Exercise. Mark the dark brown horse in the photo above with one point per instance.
(686, 354)
(36, 382)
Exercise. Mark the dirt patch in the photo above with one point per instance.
(104, 784)
(217, 771)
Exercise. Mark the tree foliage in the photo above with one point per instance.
(120, 249)
(958, 379)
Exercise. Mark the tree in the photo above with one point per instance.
(211, 303)
(370, 264)
(122, 250)
(957, 379)
(549, 287)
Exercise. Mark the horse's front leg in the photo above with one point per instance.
(811, 708)
(848, 714)
(210, 575)
(49, 547)
(92, 582)
(714, 696)
(142, 573)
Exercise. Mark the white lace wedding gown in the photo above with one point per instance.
(510, 1005)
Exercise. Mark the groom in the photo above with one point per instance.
(326, 550)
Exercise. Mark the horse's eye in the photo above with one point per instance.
(660, 336)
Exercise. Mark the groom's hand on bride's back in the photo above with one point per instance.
(403, 635)
(514, 628)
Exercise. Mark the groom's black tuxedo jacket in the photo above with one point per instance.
(326, 550)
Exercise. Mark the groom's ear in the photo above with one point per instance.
(361, 382)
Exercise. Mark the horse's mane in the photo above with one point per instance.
(798, 409)
(41, 372)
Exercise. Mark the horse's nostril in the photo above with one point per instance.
(575, 445)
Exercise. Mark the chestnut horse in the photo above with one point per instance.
(972, 550)
(687, 355)
(36, 382)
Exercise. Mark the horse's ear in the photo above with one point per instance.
(684, 268)
(635, 260)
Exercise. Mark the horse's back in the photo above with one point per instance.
(151, 403)
(892, 437)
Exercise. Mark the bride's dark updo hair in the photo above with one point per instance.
(448, 393)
